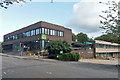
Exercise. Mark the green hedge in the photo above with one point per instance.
(72, 56)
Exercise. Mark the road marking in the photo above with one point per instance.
(49, 72)
(4, 72)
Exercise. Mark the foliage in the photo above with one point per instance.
(110, 18)
(6, 3)
(110, 37)
(74, 37)
(1, 45)
(72, 56)
(55, 47)
(81, 37)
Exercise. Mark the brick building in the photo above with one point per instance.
(97, 48)
(35, 36)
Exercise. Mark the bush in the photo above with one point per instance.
(72, 56)
(55, 47)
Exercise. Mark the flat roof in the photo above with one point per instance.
(34, 24)
(105, 42)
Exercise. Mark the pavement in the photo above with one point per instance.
(100, 61)
(41, 58)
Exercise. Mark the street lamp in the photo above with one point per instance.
(38, 51)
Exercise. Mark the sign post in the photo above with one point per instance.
(38, 52)
(61, 52)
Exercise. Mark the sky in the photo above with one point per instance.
(78, 15)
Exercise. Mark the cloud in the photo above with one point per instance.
(86, 16)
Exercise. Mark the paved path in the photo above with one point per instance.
(100, 61)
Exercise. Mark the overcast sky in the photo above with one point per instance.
(78, 15)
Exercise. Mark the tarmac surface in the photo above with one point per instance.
(31, 67)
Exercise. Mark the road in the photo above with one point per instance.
(21, 68)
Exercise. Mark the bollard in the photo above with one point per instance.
(93, 58)
(38, 55)
(30, 54)
(88, 57)
(97, 57)
(81, 57)
(34, 55)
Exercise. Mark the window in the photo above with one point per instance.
(15, 36)
(18, 37)
(46, 31)
(51, 32)
(60, 33)
(11, 37)
(28, 33)
(43, 44)
(56, 33)
(37, 31)
(42, 30)
(24, 35)
(32, 32)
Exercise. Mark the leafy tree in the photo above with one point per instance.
(55, 47)
(6, 3)
(110, 37)
(110, 18)
(1, 46)
(81, 37)
(74, 37)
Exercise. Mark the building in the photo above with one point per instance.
(97, 48)
(35, 36)
(85, 49)
(103, 48)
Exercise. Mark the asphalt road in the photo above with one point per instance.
(20, 68)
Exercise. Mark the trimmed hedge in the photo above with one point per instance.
(72, 56)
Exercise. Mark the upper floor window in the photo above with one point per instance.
(32, 32)
(56, 33)
(24, 35)
(42, 30)
(37, 31)
(46, 31)
(28, 33)
(61, 33)
(53, 32)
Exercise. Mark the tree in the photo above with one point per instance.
(110, 19)
(110, 37)
(55, 47)
(74, 37)
(81, 37)
(1, 46)
(6, 3)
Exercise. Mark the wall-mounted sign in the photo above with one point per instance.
(43, 36)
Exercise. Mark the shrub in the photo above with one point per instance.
(55, 47)
(72, 56)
